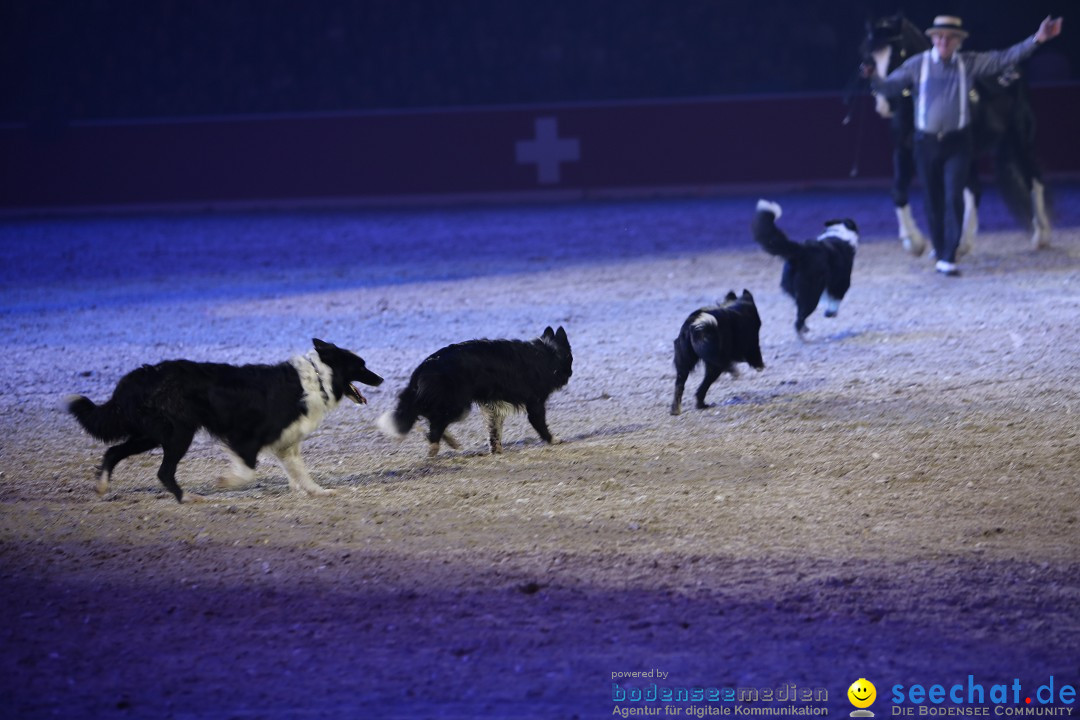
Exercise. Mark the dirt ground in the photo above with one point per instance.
(894, 499)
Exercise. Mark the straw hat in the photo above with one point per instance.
(947, 24)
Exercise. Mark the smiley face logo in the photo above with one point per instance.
(862, 693)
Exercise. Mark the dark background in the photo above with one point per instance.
(96, 59)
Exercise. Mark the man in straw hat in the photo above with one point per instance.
(940, 80)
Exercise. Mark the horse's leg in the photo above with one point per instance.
(1018, 178)
(1023, 189)
(1041, 222)
(1022, 135)
(972, 196)
(971, 222)
(911, 237)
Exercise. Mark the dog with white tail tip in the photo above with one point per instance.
(814, 270)
(249, 408)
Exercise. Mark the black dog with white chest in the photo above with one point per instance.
(248, 408)
(500, 376)
(719, 337)
(813, 270)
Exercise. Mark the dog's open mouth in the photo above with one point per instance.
(353, 394)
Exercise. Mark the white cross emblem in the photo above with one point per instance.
(547, 150)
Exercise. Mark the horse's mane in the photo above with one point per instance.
(913, 40)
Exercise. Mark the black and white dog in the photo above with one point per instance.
(248, 408)
(814, 270)
(500, 376)
(718, 336)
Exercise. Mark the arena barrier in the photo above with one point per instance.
(568, 150)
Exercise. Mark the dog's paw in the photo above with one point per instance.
(555, 440)
(193, 498)
(321, 492)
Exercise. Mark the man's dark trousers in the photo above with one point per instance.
(943, 163)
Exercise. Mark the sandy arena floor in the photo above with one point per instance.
(895, 499)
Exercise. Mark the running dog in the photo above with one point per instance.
(718, 336)
(500, 376)
(814, 270)
(249, 408)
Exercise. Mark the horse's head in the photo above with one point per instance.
(893, 38)
(881, 32)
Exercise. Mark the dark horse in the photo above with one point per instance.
(1003, 124)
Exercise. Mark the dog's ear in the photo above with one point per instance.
(325, 350)
(548, 333)
(730, 296)
(846, 222)
(747, 296)
(560, 337)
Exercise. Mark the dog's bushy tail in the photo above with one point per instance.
(398, 422)
(768, 235)
(103, 422)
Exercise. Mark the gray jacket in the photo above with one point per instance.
(942, 89)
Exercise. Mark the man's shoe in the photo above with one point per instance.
(947, 268)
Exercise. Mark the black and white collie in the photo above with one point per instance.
(718, 336)
(500, 376)
(248, 408)
(814, 270)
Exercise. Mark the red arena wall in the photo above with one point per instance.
(576, 150)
